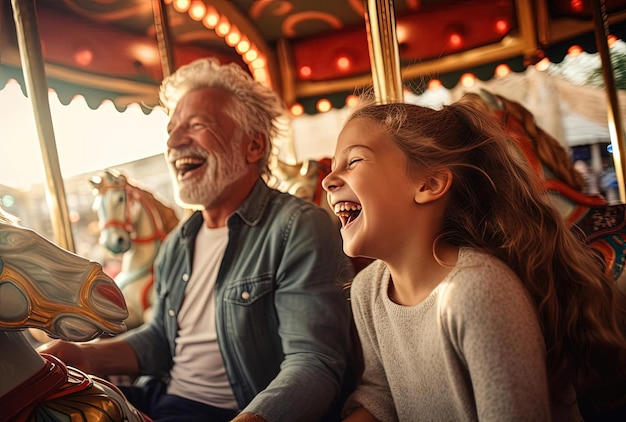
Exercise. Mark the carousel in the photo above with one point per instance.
(318, 55)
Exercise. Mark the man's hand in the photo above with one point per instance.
(248, 417)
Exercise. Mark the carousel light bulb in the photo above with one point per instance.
(543, 64)
(182, 5)
(242, 46)
(323, 105)
(502, 26)
(223, 28)
(434, 84)
(352, 101)
(233, 37)
(250, 55)
(468, 80)
(197, 10)
(502, 70)
(343, 62)
(211, 18)
(305, 71)
(297, 110)
(258, 63)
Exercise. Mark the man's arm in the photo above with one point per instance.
(99, 357)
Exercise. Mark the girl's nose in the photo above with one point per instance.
(330, 182)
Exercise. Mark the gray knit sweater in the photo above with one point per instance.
(472, 350)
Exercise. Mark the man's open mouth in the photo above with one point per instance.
(347, 212)
(187, 164)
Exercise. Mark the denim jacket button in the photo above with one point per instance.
(185, 277)
(171, 313)
(245, 295)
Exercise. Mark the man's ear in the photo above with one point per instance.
(433, 187)
(255, 149)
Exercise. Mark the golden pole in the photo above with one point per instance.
(37, 89)
(616, 131)
(380, 21)
(164, 39)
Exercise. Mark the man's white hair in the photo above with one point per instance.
(255, 107)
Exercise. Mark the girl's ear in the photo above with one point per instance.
(433, 187)
(255, 149)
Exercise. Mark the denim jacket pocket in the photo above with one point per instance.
(246, 292)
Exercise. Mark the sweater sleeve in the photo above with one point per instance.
(372, 391)
(493, 326)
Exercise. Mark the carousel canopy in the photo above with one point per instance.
(303, 49)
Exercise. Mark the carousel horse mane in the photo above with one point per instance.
(69, 297)
(601, 225)
(134, 223)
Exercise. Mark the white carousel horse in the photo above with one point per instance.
(133, 223)
(69, 297)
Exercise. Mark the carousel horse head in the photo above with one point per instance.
(132, 223)
(46, 287)
(69, 297)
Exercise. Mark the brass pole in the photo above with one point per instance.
(37, 89)
(616, 131)
(380, 21)
(164, 39)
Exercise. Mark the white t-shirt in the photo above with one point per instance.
(198, 372)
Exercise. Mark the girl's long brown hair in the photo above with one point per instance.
(497, 205)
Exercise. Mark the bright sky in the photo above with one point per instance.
(87, 140)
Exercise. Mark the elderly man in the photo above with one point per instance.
(250, 321)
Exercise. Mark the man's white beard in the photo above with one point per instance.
(202, 193)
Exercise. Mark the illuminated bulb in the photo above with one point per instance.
(223, 28)
(260, 75)
(343, 63)
(352, 101)
(83, 57)
(197, 10)
(434, 84)
(250, 55)
(576, 5)
(242, 46)
(297, 109)
(182, 5)
(543, 64)
(258, 63)
(455, 40)
(234, 36)
(502, 26)
(502, 70)
(323, 105)
(468, 80)
(574, 51)
(211, 19)
(305, 71)
(611, 40)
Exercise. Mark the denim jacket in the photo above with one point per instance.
(282, 319)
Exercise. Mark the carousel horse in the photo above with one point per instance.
(69, 297)
(133, 223)
(602, 226)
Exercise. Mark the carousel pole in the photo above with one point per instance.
(37, 88)
(164, 39)
(616, 131)
(380, 21)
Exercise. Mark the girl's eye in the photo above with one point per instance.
(353, 162)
